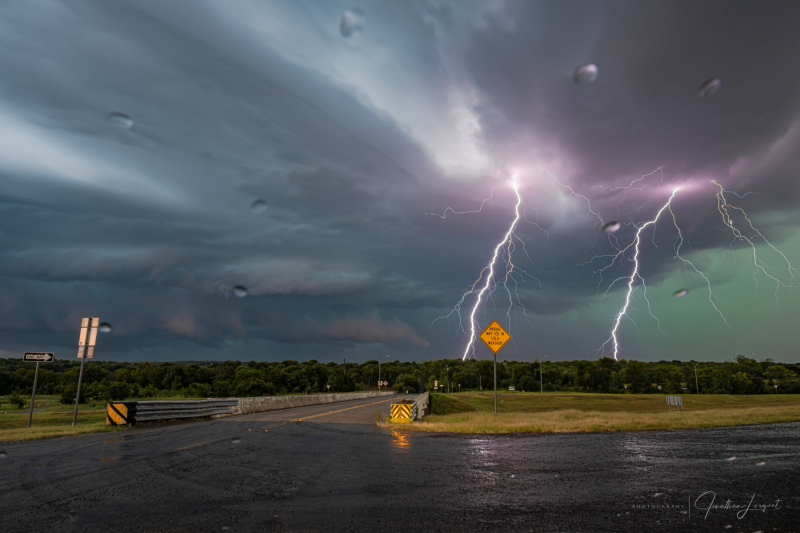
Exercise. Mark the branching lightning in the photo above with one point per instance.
(622, 255)
(725, 209)
(632, 278)
(484, 286)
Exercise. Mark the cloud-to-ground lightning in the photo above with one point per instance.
(633, 276)
(620, 253)
(483, 287)
(623, 255)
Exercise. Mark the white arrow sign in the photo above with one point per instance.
(39, 357)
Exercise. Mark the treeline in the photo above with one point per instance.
(110, 380)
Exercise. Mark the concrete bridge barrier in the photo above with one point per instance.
(259, 404)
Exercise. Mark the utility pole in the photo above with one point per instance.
(379, 374)
(447, 373)
(541, 382)
(697, 384)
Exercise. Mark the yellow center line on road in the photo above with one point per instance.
(278, 424)
(339, 411)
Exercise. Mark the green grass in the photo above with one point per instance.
(54, 420)
(566, 412)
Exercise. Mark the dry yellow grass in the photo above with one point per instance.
(572, 420)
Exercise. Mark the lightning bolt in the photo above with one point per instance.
(633, 276)
(725, 209)
(620, 255)
(484, 286)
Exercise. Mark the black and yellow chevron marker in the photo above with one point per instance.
(401, 412)
(119, 414)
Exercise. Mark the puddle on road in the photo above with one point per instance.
(400, 442)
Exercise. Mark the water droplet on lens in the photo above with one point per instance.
(2, 455)
(762, 463)
(680, 293)
(586, 73)
(728, 526)
(236, 440)
(104, 327)
(731, 459)
(258, 206)
(119, 120)
(612, 227)
(512, 476)
(352, 21)
(658, 494)
(710, 87)
(240, 291)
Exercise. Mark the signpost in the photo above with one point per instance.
(86, 343)
(38, 357)
(495, 338)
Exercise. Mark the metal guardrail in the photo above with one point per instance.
(121, 413)
(406, 411)
(423, 404)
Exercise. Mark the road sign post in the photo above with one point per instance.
(38, 357)
(86, 343)
(495, 338)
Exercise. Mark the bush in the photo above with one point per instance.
(68, 394)
(528, 383)
(148, 392)
(117, 391)
(15, 399)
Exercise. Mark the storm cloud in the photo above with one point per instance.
(356, 140)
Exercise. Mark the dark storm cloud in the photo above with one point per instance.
(353, 143)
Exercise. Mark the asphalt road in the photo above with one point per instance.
(310, 469)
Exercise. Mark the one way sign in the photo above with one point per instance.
(39, 357)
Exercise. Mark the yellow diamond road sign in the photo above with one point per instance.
(495, 336)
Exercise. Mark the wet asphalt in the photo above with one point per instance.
(330, 468)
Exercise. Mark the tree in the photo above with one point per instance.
(406, 382)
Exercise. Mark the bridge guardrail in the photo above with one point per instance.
(123, 413)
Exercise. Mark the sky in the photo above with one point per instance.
(135, 137)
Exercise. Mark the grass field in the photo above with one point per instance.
(576, 412)
(53, 420)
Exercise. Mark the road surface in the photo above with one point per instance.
(330, 468)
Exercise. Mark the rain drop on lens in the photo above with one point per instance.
(710, 87)
(762, 463)
(731, 459)
(352, 21)
(585, 74)
(2, 455)
(612, 227)
(104, 327)
(240, 291)
(119, 120)
(236, 440)
(258, 206)
(680, 293)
